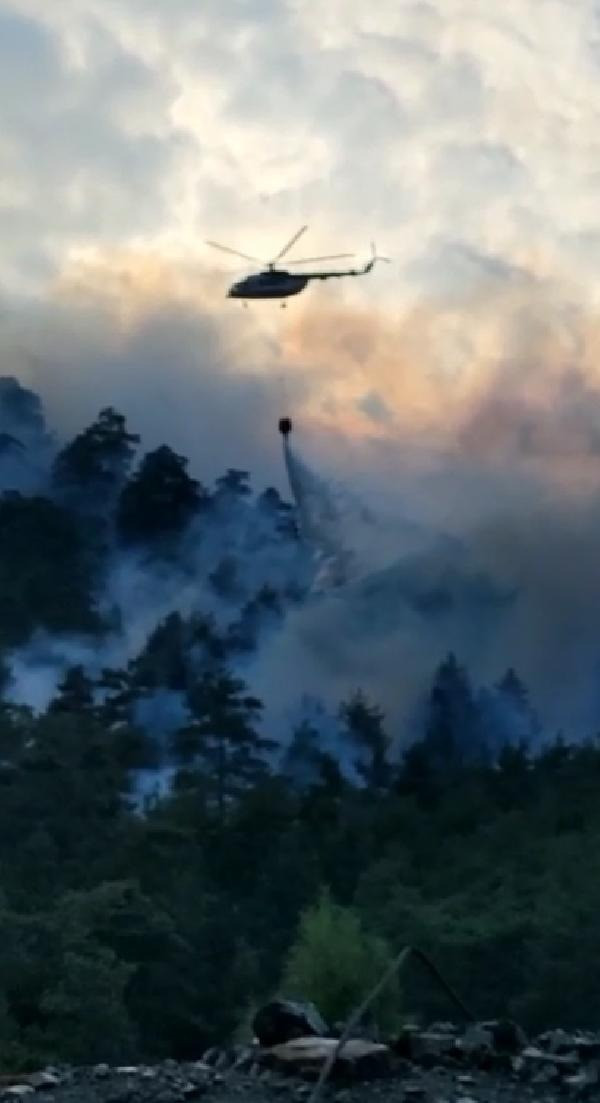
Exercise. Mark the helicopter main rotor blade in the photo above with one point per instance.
(287, 247)
(314, 260)
(234, 252)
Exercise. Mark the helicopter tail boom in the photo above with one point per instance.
(349, 271)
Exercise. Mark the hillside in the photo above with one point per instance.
(161, 839)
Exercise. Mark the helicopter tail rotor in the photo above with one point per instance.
(375, 256)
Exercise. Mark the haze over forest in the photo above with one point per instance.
(372, 658)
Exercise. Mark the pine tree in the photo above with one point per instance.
(233, 486)
(118, 696)
(262, 610)
(303, 759)
(159, 500)
(520, 720)
(46, 570)
(222, 740)
(224, 580)
(271, 506)
(453, 734)
(75, 692)
(363, 725)
(163, 662)
(91, 469)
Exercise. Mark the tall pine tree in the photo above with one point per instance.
(90, 471)
(363, 727)
(222, 742)
(159, 500)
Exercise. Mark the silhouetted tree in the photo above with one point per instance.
(75, 692)
(506, 715)
(521, 721)
(222, 740)
(262, 610)
(452, 729)
(46, 571)
(224, 580)
(20, 405)
(90, 471)
(159, 500)
(271, 505)
(232, 486)
(162, 661)
(363, 727)
(304, 762)
(175, 651)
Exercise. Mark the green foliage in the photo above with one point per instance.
(130, 932)
(86, 1015)
(222, 741)
(334, 962)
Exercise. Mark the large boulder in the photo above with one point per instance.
(281, 1021)
(356, 1058)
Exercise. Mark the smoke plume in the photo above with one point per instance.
(444, 465)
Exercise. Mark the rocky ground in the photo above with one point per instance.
(485, 1063)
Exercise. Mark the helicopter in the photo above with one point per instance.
(276, 283)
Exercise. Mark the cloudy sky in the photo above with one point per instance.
(461, 381)
(461, 135)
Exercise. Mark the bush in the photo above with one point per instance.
(334, 962)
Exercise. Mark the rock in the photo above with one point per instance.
(245, 1059)
(584, 1084)
(283, 1020)
(586, 1046)
(544, 1067)
(429, 1048)
(556, 1041)
(476, 1043)
(201, 1068)
(192, 1091)
(18, 1091)
(414, 1090)
(100, 1072)
(306, 1056)
(44, 1080)
(426, 1047)
(216, 1058)
(507, 1036)
(490, 1045)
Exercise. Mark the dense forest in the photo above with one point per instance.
(164, 863)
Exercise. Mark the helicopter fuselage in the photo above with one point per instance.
(271, 284)
(275, 283)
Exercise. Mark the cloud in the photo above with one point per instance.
(458, 385)
(85, 158)
(424, 125)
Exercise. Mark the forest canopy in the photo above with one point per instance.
(160, 853)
